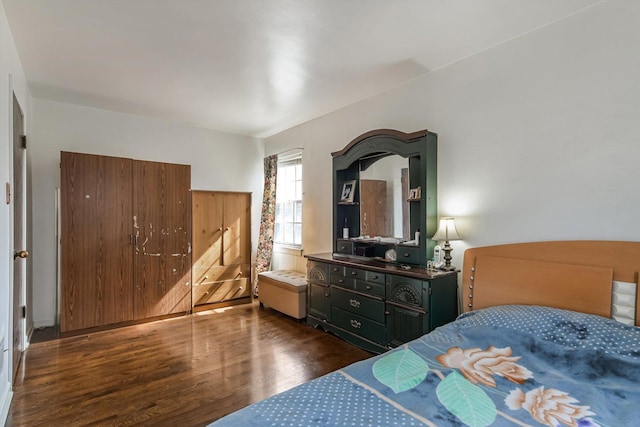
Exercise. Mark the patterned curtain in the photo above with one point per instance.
(267, 221)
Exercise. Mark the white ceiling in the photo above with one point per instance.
(252, 67)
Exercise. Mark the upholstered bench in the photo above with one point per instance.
(285, 291)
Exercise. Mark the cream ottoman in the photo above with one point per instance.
(285, 291)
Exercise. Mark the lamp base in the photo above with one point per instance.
(447, 257)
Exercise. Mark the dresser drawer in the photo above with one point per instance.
(375, 277)
(355, 273)
(358, 304)
(370, 288)
(410, 255)
(340, 280)
(344, 247)
(337, 270)
(338, 277)
(359, 325)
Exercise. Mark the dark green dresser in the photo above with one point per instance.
(375, 305)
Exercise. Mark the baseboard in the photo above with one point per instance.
(37, 324)
(6, 403)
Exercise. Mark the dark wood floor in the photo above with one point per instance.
(185, 371)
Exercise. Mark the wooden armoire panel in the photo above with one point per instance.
(96, 255)
(208, 221)
(221, 246)
(237, 229)
(162, 235)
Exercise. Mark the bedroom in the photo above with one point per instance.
(538, 140)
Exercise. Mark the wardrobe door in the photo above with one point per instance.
(208, 221)
(96, 254)
(207, 217)
(162, 229)
(237, 229)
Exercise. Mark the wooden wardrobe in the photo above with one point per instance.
(221, 248)
(125, 240)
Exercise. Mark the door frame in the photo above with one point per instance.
(19, 299)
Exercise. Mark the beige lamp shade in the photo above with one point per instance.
(446, 230)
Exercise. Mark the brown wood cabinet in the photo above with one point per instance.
(221, 247)
(125, 237)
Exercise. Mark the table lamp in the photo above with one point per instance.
(447, 231)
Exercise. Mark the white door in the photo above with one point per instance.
(19, 233)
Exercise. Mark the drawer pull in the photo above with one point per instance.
(375, 277)
(340, 281)
(326, 295)
(354, 303)
(406, 255)
(336, 269)
(368, 287)
(355, 323)
(354, 273)
(343, 248)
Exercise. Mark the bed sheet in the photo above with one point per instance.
(506, 365)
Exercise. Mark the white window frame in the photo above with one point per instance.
(291, 158)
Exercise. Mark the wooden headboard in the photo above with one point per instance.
(574, 275)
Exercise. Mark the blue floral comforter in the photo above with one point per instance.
(507, 365)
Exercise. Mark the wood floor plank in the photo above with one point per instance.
(186, 371)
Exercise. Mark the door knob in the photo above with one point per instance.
(21, 254)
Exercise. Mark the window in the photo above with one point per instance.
(288, 229)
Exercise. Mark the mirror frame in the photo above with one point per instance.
(420, 148)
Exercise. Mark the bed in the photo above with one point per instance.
(536, 344)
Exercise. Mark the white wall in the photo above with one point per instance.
(539, 137)
(219, 161)
(12, 79)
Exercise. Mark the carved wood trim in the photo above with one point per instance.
(391, 133)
